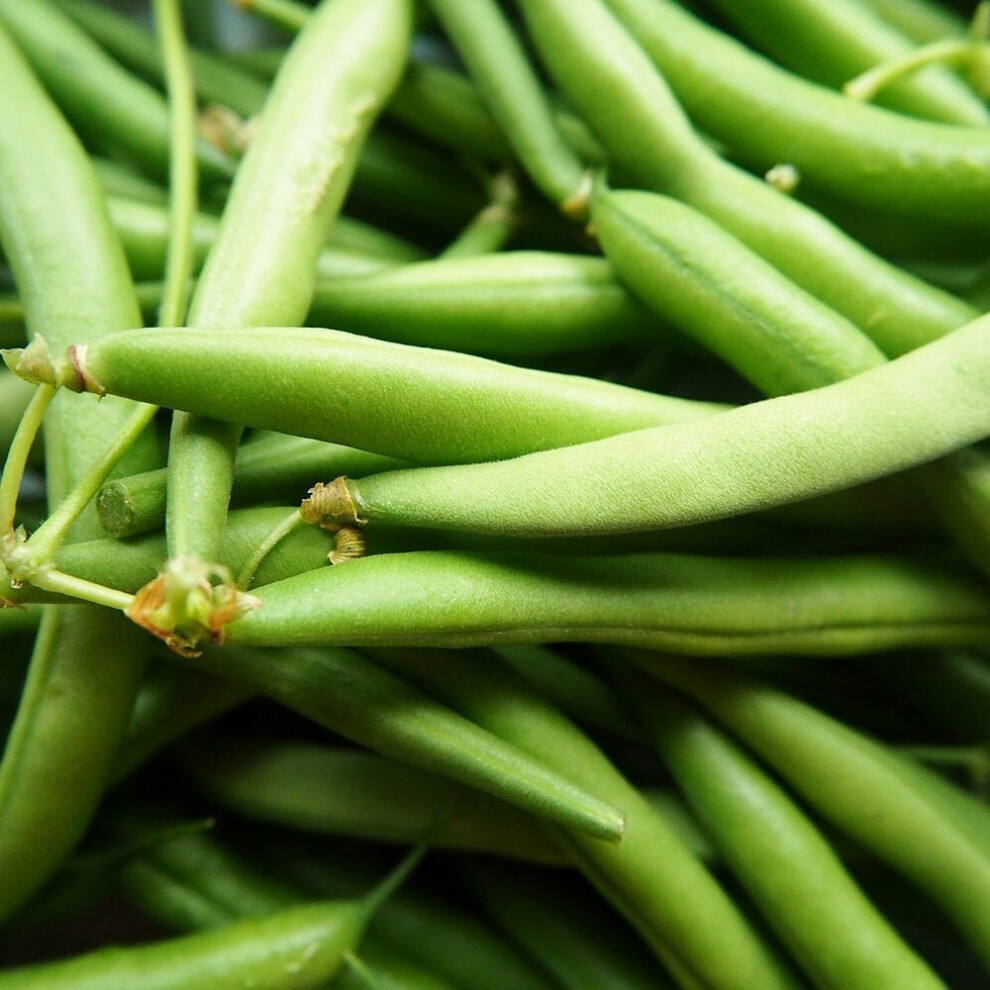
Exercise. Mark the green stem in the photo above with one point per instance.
(489, 231)
(87, 591)
(279, 533)
(952, 51)
(17, 456)
(182, 162)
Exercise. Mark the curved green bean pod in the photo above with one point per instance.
(600, 67)
(802, 889)
(347, 693)
(501, 410)
(855, 784)
(515, 303)
(297, 948)
(108, 105)
(863, 153)
(69, 269)
(671, 900)
(686, 604)
(899, 415)
(832, 42)
(314, 788)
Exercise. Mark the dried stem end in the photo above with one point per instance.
(331, 506)
(189, 600)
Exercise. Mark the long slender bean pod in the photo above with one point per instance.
(863, 153)
(327, 791)
(600, 67)
(906, 412)
(69, 269)
(857, 786)
(839, 938)
(681, 603)
(652, 879)
(501, 410)
(832, 42)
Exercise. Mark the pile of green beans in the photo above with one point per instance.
(496, 494)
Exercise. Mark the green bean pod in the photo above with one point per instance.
(517, 303)
(558, 921)
(288, 191)
(68, 268)
(501, 410)
(314, 788)
(855, 784)
(802, 889)
(686, 604)
(865, 154)
(831, 42)
(297, 948)
(675, 905)
(921, 20)
(107, 104)
(600, 67)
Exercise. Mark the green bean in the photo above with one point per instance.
(347, 693)
(14, 398)
(511, 304)
(485, 41)
(120, 181)
(839, 938)
(446, 937)
(863, 153)
(112, 108)
(716, 290)
(571, 933)
(299, 947)
(288, 190)
(855, 784)
(685, 604)
(502, 410)
(68, 269)
(652, 879)
(314, 788)
(832, 42)
(600, 67)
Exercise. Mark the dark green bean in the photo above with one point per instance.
(838, 937)
(317, 789)
(681, 912)
(854, 783)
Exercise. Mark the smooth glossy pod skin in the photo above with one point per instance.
(863, 153)
(831, 41)
(855, 784)
(409, 402)
(289, 187)
(295, 949)
(600, 67)
(817, 909)
(685, 604)
(511, 304)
